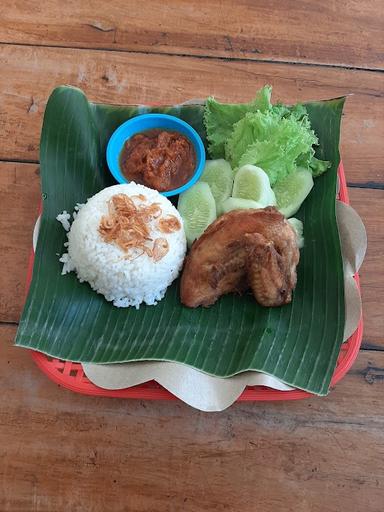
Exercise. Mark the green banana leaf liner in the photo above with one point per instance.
(297, 343)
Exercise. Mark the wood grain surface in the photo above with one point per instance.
(345, 33)
(62, 452)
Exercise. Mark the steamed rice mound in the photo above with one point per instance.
(126, 277)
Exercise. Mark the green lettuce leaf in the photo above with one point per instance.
(318, 166)
(219, 118)
(278, 138)
(277, 149)
(313, 164)
(252, 127)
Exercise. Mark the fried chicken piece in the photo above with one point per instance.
(242, 249)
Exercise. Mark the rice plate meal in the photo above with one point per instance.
(242, 271)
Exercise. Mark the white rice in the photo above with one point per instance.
(125, 282)
(77, 208)
(64, 219)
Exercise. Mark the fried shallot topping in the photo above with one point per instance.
(160, 248)
(126, 225)
(140, 196)
(169, 224)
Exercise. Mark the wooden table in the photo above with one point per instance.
(65, 452)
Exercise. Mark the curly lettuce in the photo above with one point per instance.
(219, 118)
(278, 138)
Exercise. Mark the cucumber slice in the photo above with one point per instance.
(291, 191)
(219, 176)
(299, 229)
(235, 203)
(251, 182)
(198, 210)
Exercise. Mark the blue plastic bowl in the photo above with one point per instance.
(145, 122)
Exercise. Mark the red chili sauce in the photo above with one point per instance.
(159, 159)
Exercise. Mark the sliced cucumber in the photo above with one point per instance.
(219, 176)
(235, 203)
(251, 182)
(299, 229)
(198, 210)
(291, 191)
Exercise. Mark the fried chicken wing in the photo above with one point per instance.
(242, 249)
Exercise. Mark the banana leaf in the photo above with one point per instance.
(297, 343)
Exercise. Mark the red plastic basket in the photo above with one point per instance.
(71, 375)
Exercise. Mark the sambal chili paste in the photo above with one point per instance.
(159, 159)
